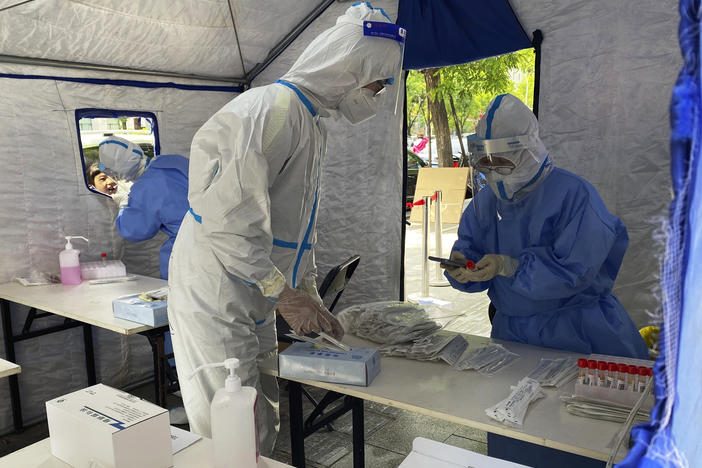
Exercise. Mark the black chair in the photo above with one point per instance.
(334, 283)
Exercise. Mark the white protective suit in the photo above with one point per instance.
(254, 190)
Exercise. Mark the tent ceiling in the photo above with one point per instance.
(181, 37)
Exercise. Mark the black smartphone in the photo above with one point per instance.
(448, 262)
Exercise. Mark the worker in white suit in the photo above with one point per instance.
(246, 246)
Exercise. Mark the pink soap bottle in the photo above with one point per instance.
(70, 263)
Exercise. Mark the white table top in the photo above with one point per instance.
(436, 389)
(87, 303)
(198, 454)
(8, 368)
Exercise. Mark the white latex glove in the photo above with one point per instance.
(305, 315)
(121, 197)
(492, 265)
(462, 275)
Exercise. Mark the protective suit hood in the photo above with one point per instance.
(122, 158)
(342, 59)
(507, 116)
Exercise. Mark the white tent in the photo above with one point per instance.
(606, 75)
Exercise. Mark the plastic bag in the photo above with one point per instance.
(488, 360)
(388, 322)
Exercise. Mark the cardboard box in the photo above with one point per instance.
(303, 361)
(154, 313)
(107, 427)
(428, 453)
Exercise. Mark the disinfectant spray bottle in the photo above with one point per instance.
(69, 262)
(233, 420)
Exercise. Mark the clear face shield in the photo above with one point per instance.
(494, 162)
(398, 34)
(361, 104)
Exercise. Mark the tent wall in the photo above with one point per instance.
(45, 198)
(607, 72)
(361, 209)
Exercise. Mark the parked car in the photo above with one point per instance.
(414, 162)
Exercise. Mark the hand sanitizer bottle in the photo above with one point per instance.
(70, 263)
(233, 420)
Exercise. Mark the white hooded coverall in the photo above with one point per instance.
(255, 170)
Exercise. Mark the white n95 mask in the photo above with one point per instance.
(359, 105)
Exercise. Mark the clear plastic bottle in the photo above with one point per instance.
(612, 374)
(69, 262)
(621, 376)
(592, 372)
(233, 420)
(643, 378)
(601, 374)
(582, 372)
(632, 378)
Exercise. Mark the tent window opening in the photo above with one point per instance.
(444, 105)
(100, 126)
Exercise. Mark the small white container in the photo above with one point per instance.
(103, 269)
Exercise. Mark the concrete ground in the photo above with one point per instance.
(389, 431)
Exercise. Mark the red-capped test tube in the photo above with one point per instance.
(621, 376)
(470, 264)
(632, 375)
(643, 378)
(601, 374)
(582, 371)
(611, 375)
(592, 372)
(103, 256)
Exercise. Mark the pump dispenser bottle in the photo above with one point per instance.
(69, 262)
(233, 420)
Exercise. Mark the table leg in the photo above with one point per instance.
(297, 431)
(160, 383)
(89, 353)
(156, 340)
(8, 339)
(359, 449)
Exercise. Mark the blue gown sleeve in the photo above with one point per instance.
(468, 232)
(571, 264)
(139, 220)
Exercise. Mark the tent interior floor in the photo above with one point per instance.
(389, 431)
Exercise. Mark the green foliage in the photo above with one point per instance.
(472, 86)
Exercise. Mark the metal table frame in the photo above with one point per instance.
(154, 335)
(300, 428)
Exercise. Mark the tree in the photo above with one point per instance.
(437, 108)
(470, 86)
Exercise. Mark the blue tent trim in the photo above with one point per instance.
(132, 83)
(451, 32)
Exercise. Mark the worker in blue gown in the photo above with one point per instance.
(545, 246)
(152, 194)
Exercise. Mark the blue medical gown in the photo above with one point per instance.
(569, 249)
(158, 200)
